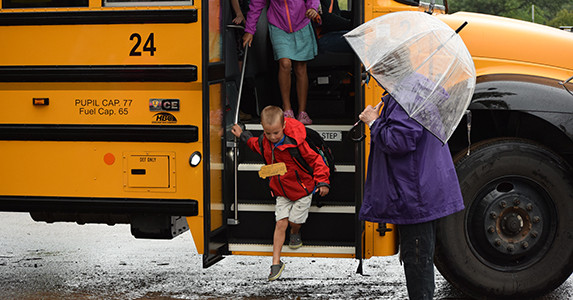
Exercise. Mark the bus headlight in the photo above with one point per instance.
(195, 159)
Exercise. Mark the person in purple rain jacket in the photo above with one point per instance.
(411, 182)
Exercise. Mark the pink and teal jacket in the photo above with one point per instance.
(288, 15)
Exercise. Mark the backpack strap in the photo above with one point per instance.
(295, 153)
(262, 148)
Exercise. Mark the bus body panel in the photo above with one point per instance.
(99, 44)
(531, 39)
(83, 74)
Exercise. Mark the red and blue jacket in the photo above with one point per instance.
(297, 182)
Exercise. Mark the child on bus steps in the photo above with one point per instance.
(294, 44)
(294, 189)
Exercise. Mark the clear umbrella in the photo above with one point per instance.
(422, 63)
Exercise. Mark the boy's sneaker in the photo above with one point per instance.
(289, 113)
(304, 118)
(276, 271)
(295, 241)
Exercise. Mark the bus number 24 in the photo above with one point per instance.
(149, 45)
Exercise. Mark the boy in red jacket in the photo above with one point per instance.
(294, 189)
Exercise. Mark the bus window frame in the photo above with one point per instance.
(148, 3)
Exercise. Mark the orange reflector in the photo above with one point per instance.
(41, 101)
(109, 158)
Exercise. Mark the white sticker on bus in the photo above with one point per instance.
(331, 136)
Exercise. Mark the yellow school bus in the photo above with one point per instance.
(118, 111)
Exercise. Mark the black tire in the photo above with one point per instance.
(515, 237)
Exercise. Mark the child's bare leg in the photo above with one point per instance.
(279, 239)
(301, 84)
(294, 228)
(285, 66)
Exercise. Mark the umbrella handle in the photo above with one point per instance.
(357, 124)
(353, 129)
(461, 27)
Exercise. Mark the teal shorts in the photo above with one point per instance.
(299, 45)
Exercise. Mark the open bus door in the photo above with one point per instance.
(215, 226)
(333, 228)
(239, 210)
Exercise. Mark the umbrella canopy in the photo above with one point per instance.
(422, 63)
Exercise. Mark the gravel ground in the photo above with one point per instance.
(69, 261)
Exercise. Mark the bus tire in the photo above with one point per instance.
(515, 237)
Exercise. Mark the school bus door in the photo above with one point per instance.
(215, 225)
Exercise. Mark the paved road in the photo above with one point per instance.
(69, 261)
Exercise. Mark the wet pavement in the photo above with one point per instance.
(69, 261)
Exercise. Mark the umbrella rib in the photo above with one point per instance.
(443, 77)
(435, 51)
(415, 120)
(392, 50)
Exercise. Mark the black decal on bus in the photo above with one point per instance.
(138, 171)
(149, 45)
(164, 118)
(104, 133)
(137, 38)
(181, 16)
(112, 73)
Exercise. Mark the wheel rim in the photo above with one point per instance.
(511, 223)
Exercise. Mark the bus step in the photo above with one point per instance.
(255, 167)
(325, 209)
(257, 249)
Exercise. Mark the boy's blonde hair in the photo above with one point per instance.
(272, 114)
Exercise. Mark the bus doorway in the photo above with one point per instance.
(335, 98)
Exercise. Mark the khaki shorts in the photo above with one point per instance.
(295, 211)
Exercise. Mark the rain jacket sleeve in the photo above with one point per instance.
(395, 134)
(314, 4)
(320, 171)
(252, 142)
(255, 9)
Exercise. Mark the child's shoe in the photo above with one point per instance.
(276, 271)
(289, 113)
(295, 241)
(304, 118)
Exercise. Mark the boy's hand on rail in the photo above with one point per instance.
(236, 130)
(247, 39)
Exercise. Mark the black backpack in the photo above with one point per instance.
(316, 143)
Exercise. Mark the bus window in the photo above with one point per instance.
(43, 3)
(147, 2)
(215, 41)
